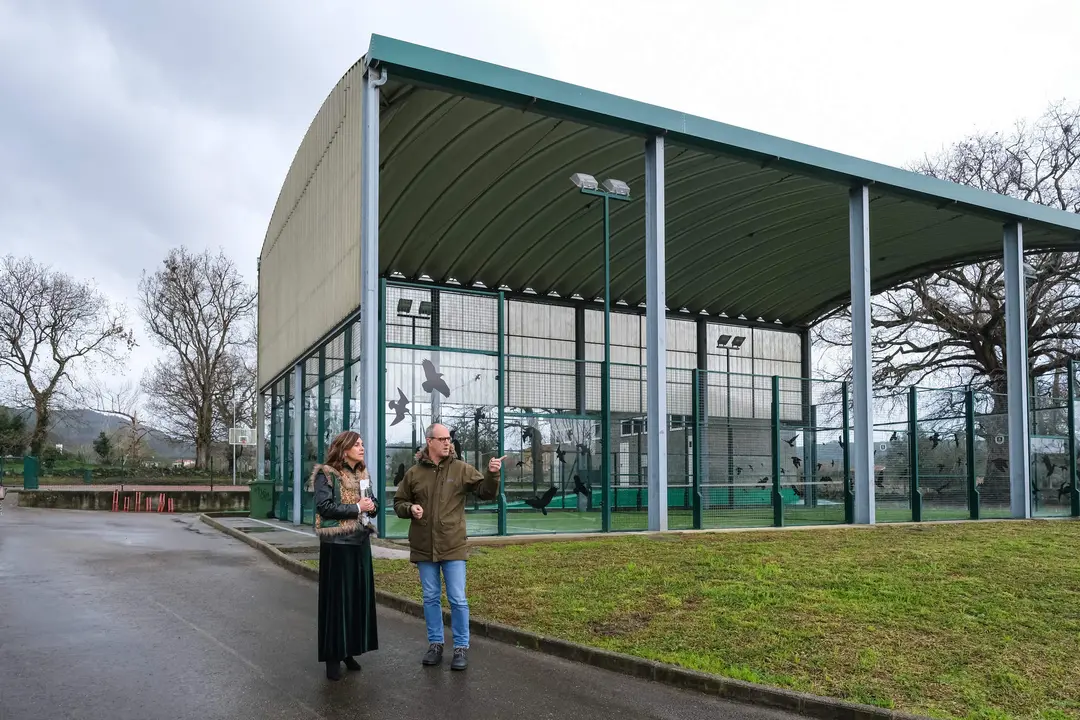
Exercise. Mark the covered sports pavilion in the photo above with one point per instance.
(445, 213)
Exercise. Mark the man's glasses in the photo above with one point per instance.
(440, 439)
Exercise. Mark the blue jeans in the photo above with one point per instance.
(453, 571)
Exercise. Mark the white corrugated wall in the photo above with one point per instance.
(309, 272)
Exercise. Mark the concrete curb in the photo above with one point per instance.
(737, 690)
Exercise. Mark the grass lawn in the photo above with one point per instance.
(966, 620)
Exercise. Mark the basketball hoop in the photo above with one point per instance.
(242, 436)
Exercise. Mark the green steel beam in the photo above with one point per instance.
(698, 464)
(913, 455)
(320, 424)
(969, 427)
(502, 411)
(777, 496)
(435, 348)
(1073, 398)
(849, 495)
(346, 389)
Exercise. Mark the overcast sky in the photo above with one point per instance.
(128, 127)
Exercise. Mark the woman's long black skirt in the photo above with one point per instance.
(347, 625)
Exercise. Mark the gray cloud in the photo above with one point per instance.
(128, 128)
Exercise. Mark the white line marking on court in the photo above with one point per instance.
(279, 527)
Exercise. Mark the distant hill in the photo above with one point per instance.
(75, 428)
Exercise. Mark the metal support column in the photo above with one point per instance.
(809, 420)
(1072, 398)
(777, 488)
(502, 411)
(1016, 366)
(972, 476)
(701, 402)
(376, 466)
(321, 404)
(297, 441)
(656, 332)
(862, 444)
(260, 436)
(346, 377)
(915, 499)
(369, 260)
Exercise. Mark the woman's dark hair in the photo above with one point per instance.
(335, 455)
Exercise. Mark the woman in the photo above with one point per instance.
(344, 521)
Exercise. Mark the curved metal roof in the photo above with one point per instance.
(475, 165)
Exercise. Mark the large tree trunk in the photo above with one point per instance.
(41, 428)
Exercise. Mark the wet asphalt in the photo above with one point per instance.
(155, 617)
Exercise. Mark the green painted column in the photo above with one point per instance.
(1073, 397)
(698, 459)
(849, 495)
(777, 496)
(913, 455)
(502, 410)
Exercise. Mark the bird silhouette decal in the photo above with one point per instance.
(400, 407)
(935, 440)
(399, 475)
(561, 454)
(433, 380)
(541, 502)
(797, 462)
(581, 488)
(791, 441)
(457, 444)
(1049, 465)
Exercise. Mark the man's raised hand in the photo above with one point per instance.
(495, 464)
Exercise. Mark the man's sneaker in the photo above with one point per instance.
(433, 655)
(461, 659)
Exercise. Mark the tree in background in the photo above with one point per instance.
(13, 435)
(103, 448)
(200, 311)
(52, 328)
(126, 404)
(948, 328)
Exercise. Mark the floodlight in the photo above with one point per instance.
(616, 187)
(404, 305)
(584, 181)
(425, 308)
(737, 342)
(722, 340)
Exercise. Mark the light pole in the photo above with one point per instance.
(423, 312)
(727, 343)
(609, 190)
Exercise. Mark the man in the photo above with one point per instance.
(432, 496)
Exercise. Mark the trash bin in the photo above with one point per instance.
(86, 476)
(261, 501)
(30, 473)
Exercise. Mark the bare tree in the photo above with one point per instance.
(126, 403)
(54, 328)
(199, 310)
(948, 328)
(234, 398)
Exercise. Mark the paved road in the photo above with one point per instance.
(146, 617)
